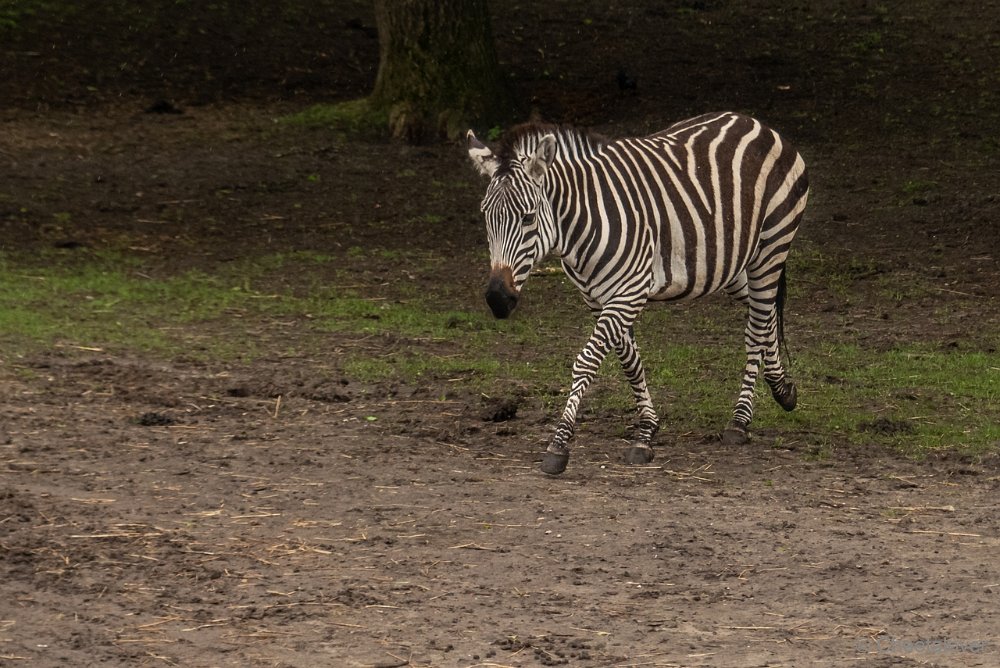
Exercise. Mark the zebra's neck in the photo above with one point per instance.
(573, 147)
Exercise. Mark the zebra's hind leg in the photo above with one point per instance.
(782, 389)
(641, 450)
(765, 302)
(736, 432)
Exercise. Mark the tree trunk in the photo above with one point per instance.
(438, 69)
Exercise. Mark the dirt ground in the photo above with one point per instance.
(274, 511)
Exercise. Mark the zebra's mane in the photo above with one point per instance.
(523, 139)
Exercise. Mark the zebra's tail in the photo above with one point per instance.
(779, 303)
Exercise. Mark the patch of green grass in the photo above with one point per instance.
(809, 266)
(355, 117)
(105, 301)
(916, 191)
(14, 13)
(918, 186)
(899, 287)
(867, 42)
(915, 397)
(277, 261)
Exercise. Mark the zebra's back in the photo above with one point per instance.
(721, 193)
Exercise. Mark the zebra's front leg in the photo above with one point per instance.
(584, 369)
(609, 331)
(641, 449)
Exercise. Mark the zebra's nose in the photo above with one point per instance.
(500, 293)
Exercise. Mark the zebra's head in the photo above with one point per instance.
(517, 214)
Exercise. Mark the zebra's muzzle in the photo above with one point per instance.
(500, 293)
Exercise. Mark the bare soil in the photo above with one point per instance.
(274, 511)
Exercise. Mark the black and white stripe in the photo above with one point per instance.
(708, 204)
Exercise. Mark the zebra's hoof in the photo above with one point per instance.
(788, 398)
(735, 434)
(554, 463)
(639, 454)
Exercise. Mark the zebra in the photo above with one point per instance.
(711, 203)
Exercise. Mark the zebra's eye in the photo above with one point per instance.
(528, 218)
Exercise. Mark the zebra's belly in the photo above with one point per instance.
(676, 278)
(675, 293)
(665, 284)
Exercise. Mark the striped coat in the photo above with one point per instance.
(709, 204)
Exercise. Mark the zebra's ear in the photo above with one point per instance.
(543, 156)
(482, 157)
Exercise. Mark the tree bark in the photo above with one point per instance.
(438, 69)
